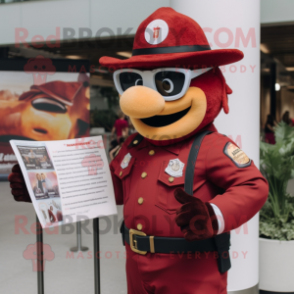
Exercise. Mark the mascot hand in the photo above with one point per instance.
(18, 186)
(196, 218)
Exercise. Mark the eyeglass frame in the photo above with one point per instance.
(148, 77)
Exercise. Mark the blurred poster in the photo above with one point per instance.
(40, 100)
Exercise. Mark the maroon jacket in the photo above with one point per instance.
(239, 191)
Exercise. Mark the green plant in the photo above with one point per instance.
(277, 165)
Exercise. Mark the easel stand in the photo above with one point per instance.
(96, 255)
(40, 254)
(79, 246)
(40, 257)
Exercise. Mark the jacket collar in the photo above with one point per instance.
(176, 147)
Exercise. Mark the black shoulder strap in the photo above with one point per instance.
(189, 176)
(222, 241)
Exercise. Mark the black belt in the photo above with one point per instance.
(140, 243)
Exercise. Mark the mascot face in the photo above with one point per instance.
(168, 110)
(160, 114)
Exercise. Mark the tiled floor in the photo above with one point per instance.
(64, 274)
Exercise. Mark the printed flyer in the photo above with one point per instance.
(66, 179)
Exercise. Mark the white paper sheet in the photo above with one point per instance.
(67, 180)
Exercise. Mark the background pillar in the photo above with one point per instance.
(273, 104)
(236, 24)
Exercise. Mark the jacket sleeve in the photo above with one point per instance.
(245, 189)
(117, 184)
(115, 164)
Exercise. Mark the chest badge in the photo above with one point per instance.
(125, 162)
(175, 168)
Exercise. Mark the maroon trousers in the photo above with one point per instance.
(174, 273)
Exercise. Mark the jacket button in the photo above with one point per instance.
(135, 142)
(171, 179)
(151, 152)
(139, 227)
(140, 200)
(144, 175)
(120, 174)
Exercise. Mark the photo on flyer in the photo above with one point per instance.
(35, 157)
(44, 184)
(50, 211)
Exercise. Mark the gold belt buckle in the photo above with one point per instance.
(133, 243)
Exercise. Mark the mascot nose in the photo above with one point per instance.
(141, 102)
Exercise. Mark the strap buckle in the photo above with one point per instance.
(133, 242)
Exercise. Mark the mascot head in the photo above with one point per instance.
(171, 87)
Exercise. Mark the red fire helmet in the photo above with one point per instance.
(170, 39)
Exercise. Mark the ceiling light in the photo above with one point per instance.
(124, 54)
(278, 87)
(264, 49)
(73, 56)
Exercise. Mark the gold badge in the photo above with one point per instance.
(237, 155)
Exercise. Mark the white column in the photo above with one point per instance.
(236, 24)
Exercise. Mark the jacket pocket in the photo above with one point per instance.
(167, 184)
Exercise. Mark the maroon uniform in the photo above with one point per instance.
(142, 184)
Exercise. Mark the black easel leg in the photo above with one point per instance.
(96, 256)
(40, 255)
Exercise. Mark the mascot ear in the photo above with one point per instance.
(225, 92)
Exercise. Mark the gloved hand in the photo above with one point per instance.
(196, 218)
(18, 186)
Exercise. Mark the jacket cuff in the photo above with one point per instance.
(220, 218)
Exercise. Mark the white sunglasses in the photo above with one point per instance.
(171, 83)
